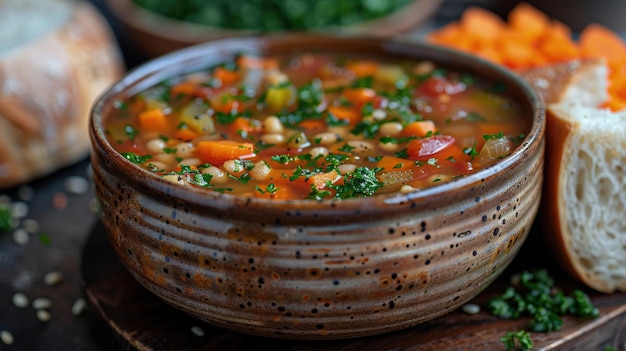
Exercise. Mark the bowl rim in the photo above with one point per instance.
(137, 77)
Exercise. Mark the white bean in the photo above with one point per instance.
(272, 124)
(379, 114)
(185, 150)
(155, 146)
(42, 303)
(260, 171)
(405, 189)
(361, 146)
(164, 158)
(325, 138)
(174, 178)
(389, 146)
(318, 151)
(234, 167)
(347, 167)
(218, 175)
(192, 161)
(273, 138)
(391, 129)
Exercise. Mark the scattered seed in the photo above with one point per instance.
(21, 236)
(59, 201)
(19, 209)
(53, 278)
(471, 308)
(78, 307)
(197, 331)
(43, 315)
(25, 193)
(7, 337)
(94, 206)
(31, 225)
(76, 185)
(20, 300)
(41, 303)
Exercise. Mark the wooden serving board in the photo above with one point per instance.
(141, 321)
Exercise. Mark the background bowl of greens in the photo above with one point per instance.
(156, 27)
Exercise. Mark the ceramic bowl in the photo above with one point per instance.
(307, 269)
(152, 34)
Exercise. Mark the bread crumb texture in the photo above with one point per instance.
(595, 196)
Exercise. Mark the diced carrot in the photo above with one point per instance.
(419, 128)
(312, 125)
(599, 41)
(264, 63)
(247, 125)
(154, 121)
(321, 180)
(527, 20)
(226, 104)
(391, 163)
(362, 68)
(217, 152)
(346, 113)
(447, 34)
(226, 76)
(184, 88)
(481, 24)
(359, 96)
(284, 189)
(185, 134)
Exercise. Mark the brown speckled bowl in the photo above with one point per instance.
(307, 269)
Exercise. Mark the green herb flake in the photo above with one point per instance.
(169, 150)
(520, 339)
(120, 104)
(498, 135)
(131, 132)
(44, 239)
(5, 219)
(136, 159)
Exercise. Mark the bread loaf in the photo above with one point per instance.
(583, 207)
(56, 57)
(584, 194)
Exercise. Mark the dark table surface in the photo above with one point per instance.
(58, 246)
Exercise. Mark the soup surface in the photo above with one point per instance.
(318, 127)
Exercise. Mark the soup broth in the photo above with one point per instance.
(318, 127)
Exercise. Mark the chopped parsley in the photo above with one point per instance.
(498, 135)
(538, 298)
(270, 189)
(5, 219)
(360, 183)
(136, 159)
(131, 132)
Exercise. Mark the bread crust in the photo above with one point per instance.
(566, 88)
(47, 87)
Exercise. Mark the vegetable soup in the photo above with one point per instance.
(318, 126)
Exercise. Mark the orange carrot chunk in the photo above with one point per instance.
(419, 128)
(321, 180)
(346, 113)
(217, 152)
(226, 76)
(154, 121)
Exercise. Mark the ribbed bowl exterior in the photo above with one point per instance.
(319, 270)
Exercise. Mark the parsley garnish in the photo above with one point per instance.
(5, 219)
(520, 339)
(471, 151)
(130, 132)
(361, 182)
(169, 150)
(270, 189)
(136, 159)
(475, 117)
(363, 82)
(538, 298)
(498, 135)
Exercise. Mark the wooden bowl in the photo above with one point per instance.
(154, 35)
(317, 269)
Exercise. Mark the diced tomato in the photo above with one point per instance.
(427, 147)
(435, 86)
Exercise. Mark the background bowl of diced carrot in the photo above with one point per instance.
(317, 269)
(528, 38)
